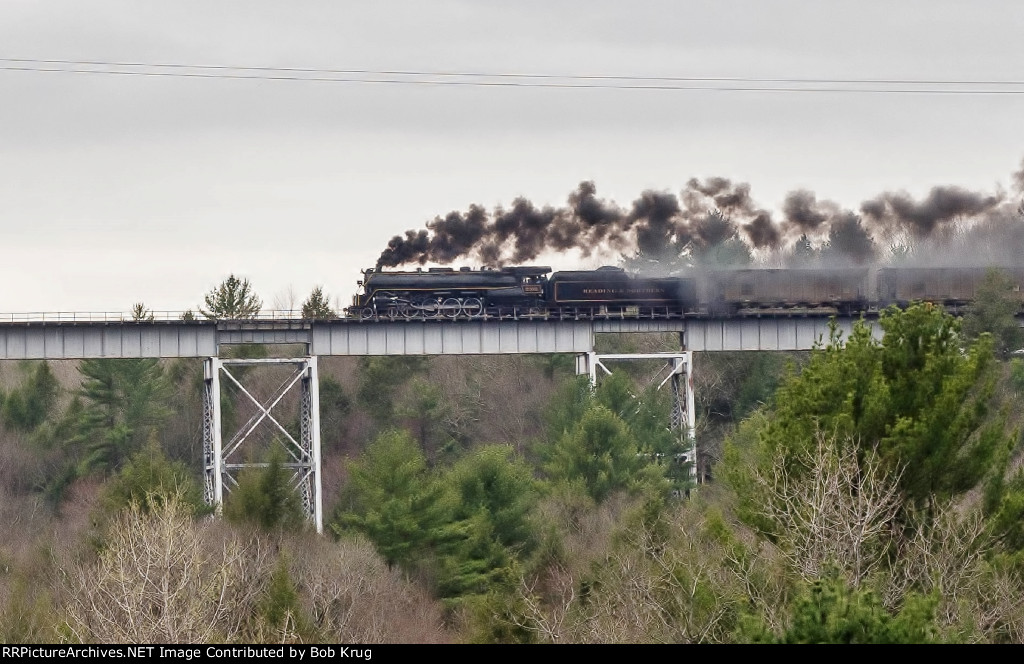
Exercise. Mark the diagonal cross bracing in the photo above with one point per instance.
(305, 452)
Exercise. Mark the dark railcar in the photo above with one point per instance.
(953, 286)
(730, 290)
(614, 289)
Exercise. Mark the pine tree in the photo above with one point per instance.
(232, 299)
(600, 452)
(124, 402)
(394, 501)
(265, 497)
(316, 306)
(994, 310)
(917, 396)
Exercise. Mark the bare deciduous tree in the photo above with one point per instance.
(641, 589)
(839, 513)
(948, 555)
(352, 596)
(163, 579)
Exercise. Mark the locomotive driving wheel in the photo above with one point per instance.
(451, 307)
(472, 307)
(431, 307)
(408, 309)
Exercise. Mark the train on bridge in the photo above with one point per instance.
(537, 291)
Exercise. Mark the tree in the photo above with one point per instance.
(149, 478)
(994, 310)
(394, 501)
(26, 407)
(599, 452)
(493, 494)
(718, 243)
(335, 407)
(317, 307)
(124, 403)
(141, 313)
(265, 497)
(840, 514)
(848, 242)
(161, 578)
(232, 299)
(916, 396)
(802, 253)
(379, 380)
(423, 411)
(829, 611)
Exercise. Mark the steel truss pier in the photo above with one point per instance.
(678, 372)
(220, 458)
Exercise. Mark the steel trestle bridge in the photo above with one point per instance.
(77, 336)
(71, 336)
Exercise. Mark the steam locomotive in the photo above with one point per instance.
(536, 291)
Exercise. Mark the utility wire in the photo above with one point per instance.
(518, 80)
(385, 72)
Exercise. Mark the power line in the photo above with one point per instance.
(399, 72)
(518, 80)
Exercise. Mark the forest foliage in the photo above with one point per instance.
(869, 491)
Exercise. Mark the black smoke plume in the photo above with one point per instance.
(762, 232)
(804, 214)
(655, 217)
(708, 216)
(1018, 179)
(921, 218)
(848, 241)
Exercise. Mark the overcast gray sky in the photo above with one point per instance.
(116, 189)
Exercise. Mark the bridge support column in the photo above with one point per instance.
(222, 461)
(678, 372)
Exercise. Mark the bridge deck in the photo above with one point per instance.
(172, 339)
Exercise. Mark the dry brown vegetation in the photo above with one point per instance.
(628, 569)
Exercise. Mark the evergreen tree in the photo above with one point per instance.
(916, 396)
(599, 453)
(317, 307)
(26, 407)
(379, 380)
(148, 476)
(265, 497)
(803, 253)
(497, 486)
(124, 401)
(829, 611)
(994, 310)
(395, 502)
(232, 299)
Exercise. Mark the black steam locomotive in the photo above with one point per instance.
(536, 291)
(517, 291)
